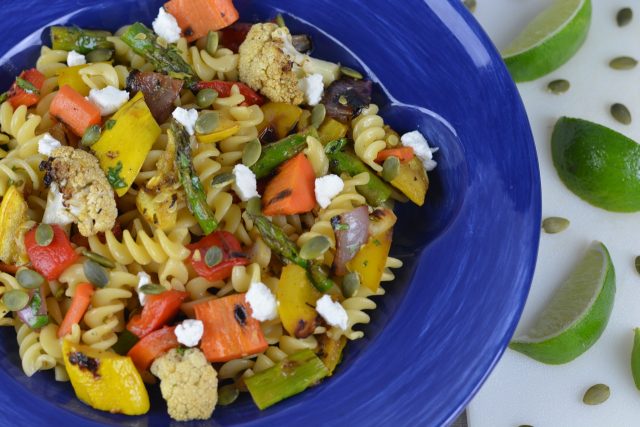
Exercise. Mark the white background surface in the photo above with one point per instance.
(521, 390)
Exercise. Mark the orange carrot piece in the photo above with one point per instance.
(404, 154)
(154, 345)
(229, 330)
(198, 17)
(291, 191)
(79, 304)
(19, 96)
(72, 109)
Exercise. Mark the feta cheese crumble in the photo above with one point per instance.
(56, 212)
(143, 279)
(186, 118)
(262, 301)
(189, 332)
(326, 188)
(74, 58)
(109, 99)
(47, 144)
(245, 184)
(421, 149)
(332, 312)
(166, 26)
(313, 88)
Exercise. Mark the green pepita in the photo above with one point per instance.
(95, 273)
(280, 20)
(213, 256)
(15, 299)
(213, 39)
(109, 124)
(624, 16)
(558, 86)
(251, 153)
(152, 289)
(99, 55)
(470, 4)
(623, 63)
(254, 206)
(318, 115)
(207, 122)
(315, 247)
(554, 224)
(29, 279)
(350, 72)
(350, 284)
(597, 394)
(91, 136)
(44, 235)
(206, 97)
(390, 168)
(223, 180)
(227, 394)
(621, 113)
(103, 261)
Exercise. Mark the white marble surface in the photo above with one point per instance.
(520, 390)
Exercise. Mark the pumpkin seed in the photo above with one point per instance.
(621, 113)
(624, 16)
(470, 4)
(212, 42)
(350, 72)
(227, 394)
(390, 168)
(318, 115)
(99, 55)
(44, 235)
(597, 394)
(343, 100)
(554, 224)
(558, 86)
(206, 97)
(280, 20)
(95, 273)
(152, 289)
(623, 63)
(350, 284)
(251, 153)
(637, 262)
(29, 279)
(254, 206)
(15, 299)
(223, 180)
(91, 136)
(207, 122)
(103, 261)
(315, 247)
(213, 256)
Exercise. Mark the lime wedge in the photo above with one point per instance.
(598, 164)
(578, 313)
(548, 41)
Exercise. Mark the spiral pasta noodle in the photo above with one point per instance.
(355, 307)
(101, 75)
(369, 136)
(222, 65)
(34, 357)
(50, 61)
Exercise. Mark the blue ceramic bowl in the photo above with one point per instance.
(469, 253)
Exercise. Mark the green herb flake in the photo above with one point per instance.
(114, 178)
(4, 97)
(27, 86)
(181, 350)
(342, 227)
(109, 124)
(377, 242)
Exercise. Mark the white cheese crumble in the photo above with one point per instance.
(74, 58)
(326, 188)
(47, 144)
(262, 301)
(56, 212)
(245, 184)
(186, 118)
(332, 312)
(189, 332)
(143, 279)
(109, 99)
(166, 26)
(313, 88)
(421, 149)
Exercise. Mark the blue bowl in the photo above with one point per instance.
(469, 253)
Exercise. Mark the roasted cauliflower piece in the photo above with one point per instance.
(79, 192)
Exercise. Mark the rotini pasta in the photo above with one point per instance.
(369, 136)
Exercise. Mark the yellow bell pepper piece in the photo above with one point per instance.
(13, 221)
(225, 129)
(104, 380)
(123, 148)
(331, 130)
(71, 76)
(281, 116)
(296, 298)
(370, 260)
(412, 180)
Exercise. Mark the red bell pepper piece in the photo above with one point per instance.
(153, 346)
(231, 255)
(251, 97)
(234, 35)
(53, 259)
(19, 95)
(158, 310)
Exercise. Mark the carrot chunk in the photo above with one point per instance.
(79, 305)
(198, 17)
(403, 154)
(291, 191)
(72, 109)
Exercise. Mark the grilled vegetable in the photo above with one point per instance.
(273, 155)
(79, 304)
(34, 315)
(331, 130)
(412, 181)
(53, 259)
(251, 97)
(159, 92)
(330, 351)
(296, 298)
(152, 346)
(13, 218)
(78, 39)
(26, 89)
(158, 310)
(371, 259)
(231, 255)
(352, 231)
(345, 97)
(198, 17)
(72, 109)
(280, 116)
(291, 191)
(70, 76)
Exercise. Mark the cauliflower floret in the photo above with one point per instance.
(86, 193)
(266, 67)
(188, 383)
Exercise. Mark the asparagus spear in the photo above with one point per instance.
(277, 153)
(166, 60)
(196, 197)
(288, 377)
(376, 191)
(78, 39)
